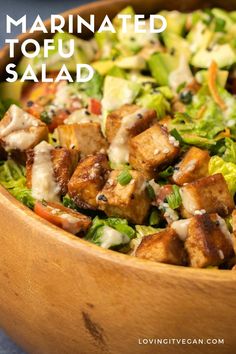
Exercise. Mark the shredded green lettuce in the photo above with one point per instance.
(143, 230)
(174, 199)
(97, 234)
(12, 177)
(228, 170)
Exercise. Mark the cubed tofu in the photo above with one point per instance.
(129, 201)
(20, 131)
(234, 220)
(86, 137)
(114, 120)
(208, 242)
(193, 166)
(210, 194)
(64, 162)
(164, 246)
(88, 180)
(153, 149)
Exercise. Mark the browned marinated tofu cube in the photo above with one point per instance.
(86, 137)
(145, 118)
(152, 150)
(234, 220)
(128, 201)
(209, 242)
(164, 246)
(193, 166)
(88, 180)
(63, 162)
(210, 194)
(21, 131)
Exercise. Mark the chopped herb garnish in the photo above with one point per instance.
(154, 218)
(150, 192)
(167, 172)
(174, 199)
(45, 117)
(124, 177)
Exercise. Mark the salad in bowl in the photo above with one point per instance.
(142, 158)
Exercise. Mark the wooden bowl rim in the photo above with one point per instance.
(70, 240)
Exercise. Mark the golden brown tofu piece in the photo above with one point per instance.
(128, 201)
(193, 166)
(64, 162)
(210, 194)
(88, 180)
(234, 220)
(20, 131)
(209, 242)
(153, 149)
(114, 120)
(164, 246)
(86, 137)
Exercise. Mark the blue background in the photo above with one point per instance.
(16, 9)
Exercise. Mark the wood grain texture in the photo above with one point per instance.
(62, 295)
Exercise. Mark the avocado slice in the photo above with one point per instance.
(103, 66)
(135, 62)
(176, 43)
(11, 90)
(128, 10)
(117, 72)
(223, 55)
(232, 15)
(161, 65)
(117, 92)
(175, 21)
(199, 37)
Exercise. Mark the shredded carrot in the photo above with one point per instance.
(201, 112)
(212, 75)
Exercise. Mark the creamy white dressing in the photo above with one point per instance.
(118, 151)
(74, 227)
(181, 228)
(112, 237)
(19, 120)
(82, 116)
(189, 167)
(20, 140)
(44, 185)
(181, 74)
(155, 186)
(197, 42)
(170, 214)
(224, 229)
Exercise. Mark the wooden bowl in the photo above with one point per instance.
(60, 294)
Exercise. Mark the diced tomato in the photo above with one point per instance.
(95, 106)
(58, 119)
(65, 218)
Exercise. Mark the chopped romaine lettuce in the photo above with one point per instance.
(143, 230)
(174, 199)
(228, 170)
(110, 232)
(12, 177)
(118, 91)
